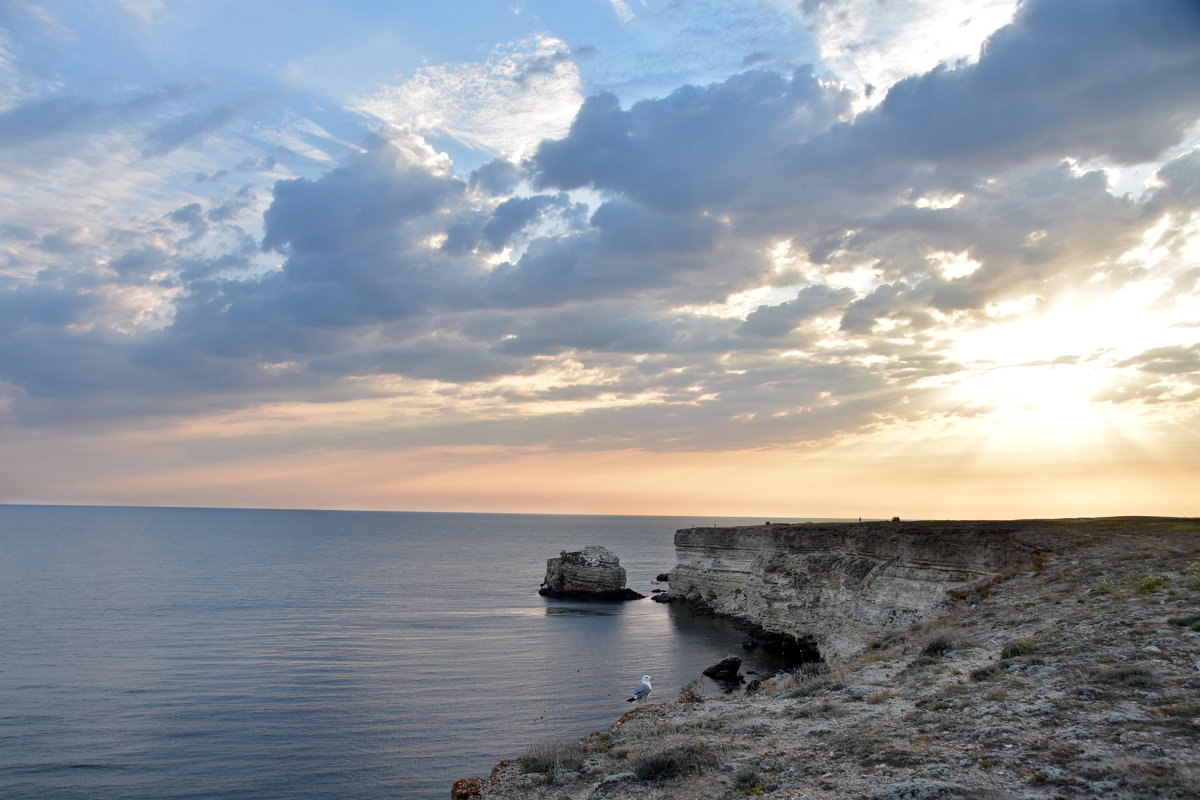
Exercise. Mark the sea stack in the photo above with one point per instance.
(594, 573)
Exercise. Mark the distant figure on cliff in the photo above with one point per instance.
(642, 691)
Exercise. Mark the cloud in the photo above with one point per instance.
(517, 213)
(780, 320)
(749, 262)
(1064, 79)
(871, 44)
(525, 92)
(191, 127)
(675, 154)
(35, 123)
(1096, 79)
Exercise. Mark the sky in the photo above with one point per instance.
(826, 258)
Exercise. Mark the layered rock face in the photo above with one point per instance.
(593, 572)
(840, 585)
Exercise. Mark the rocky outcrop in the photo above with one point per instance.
(1073, 678)
(727, 669)
(839, 585)
(594, 572)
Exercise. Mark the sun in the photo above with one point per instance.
(1054, 400)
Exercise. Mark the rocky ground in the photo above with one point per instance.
(1078, 678)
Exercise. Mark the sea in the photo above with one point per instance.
(156, 653)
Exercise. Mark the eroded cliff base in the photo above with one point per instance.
(1076, 676)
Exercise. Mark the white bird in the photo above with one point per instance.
(642, 691)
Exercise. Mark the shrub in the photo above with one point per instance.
(550, 756)
(692, 693)
(1153, 584)
(938, 647)
(747, 779)
(1188, 709)
(811, 669)
(1190, 621)
(1019, 647)
(1130, 676)
(983, 673)
(673, 762)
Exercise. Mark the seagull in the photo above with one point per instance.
(642, 691)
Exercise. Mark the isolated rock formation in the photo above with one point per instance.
(727, 669)
(594, 572)
(838, 585)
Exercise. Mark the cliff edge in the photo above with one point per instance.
(836, 586)
(1075, 676)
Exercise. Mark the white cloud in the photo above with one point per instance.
(523, 93)
(870, 42)
(622, 10)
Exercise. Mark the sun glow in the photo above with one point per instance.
(1052, 399)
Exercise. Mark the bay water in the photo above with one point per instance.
(221, 653)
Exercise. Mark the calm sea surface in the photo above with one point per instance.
(211, 653)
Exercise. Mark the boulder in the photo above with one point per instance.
(594, 572)
(726, 669)
(467, 788)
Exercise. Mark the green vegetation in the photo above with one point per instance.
(984, 673)
(551, 756)
(1019, 647)
(1139, 677)
(1153, 583)
(675, 761)
(748, 780)
(1189, 621)
(938, 647)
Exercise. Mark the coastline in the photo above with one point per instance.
(1077, 675)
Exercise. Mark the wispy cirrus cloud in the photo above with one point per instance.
(524, 92)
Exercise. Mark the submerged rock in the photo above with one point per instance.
(594, 572)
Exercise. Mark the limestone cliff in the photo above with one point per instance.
(840, 585)
(593, 572)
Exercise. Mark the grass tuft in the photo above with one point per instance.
(1129, 675)
(984, 673)
(675, 761)
(1189, 621)
(1019, 647)
(938, 647)
(551, 756)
